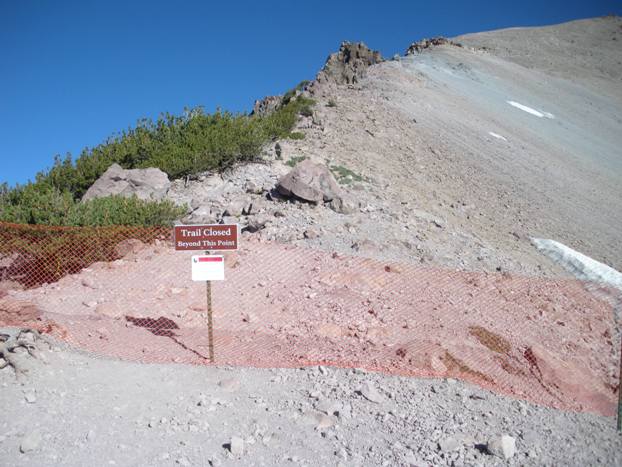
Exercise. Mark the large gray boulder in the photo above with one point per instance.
(310, 182)
(147, 184)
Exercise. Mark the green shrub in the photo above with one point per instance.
(295, 160)
(117, 210)
(37, 204)
(296, 135)
(179, 145)
(49, 206)
(345, 175)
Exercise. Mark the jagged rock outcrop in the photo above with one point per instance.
(146, 184)
(266, 105)
(349, 64)
(419, 46)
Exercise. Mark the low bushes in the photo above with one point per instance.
(179, 145)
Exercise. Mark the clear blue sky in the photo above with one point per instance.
(74, 72)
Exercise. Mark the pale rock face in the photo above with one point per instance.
(146, 184)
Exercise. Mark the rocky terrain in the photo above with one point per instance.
(76, 410)
(395, 236)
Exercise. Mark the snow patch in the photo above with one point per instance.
(581, 266)
(495, 135)
(537, 113)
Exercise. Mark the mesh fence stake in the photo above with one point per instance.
(620, 390)
(210, 323)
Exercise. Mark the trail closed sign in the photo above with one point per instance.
(207, 237)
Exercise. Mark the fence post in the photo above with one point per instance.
(620, 389)
(210, 324)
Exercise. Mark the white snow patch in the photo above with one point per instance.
(537, 113)
(495, 135)
(581, 266)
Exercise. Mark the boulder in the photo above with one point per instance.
(310, 182)
(146, 184)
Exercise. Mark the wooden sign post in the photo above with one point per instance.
(207, 267)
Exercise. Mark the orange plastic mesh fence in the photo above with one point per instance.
(124, 292)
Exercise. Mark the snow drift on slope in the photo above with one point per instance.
(583, 267)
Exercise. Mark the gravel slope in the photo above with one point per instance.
(77, 411)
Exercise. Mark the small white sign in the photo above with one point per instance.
(208, 268)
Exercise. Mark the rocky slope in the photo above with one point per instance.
(450, 158)
(75, 410)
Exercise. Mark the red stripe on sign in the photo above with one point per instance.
(210, 260)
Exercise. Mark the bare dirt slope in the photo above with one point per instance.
(586, 51)
(436, 130)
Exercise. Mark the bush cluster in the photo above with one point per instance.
(179, 145)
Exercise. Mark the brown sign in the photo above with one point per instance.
(206, 237)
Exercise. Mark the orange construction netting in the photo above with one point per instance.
(124, 292)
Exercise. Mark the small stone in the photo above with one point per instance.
(230, 384)
(90, 435)
(254, 188)
(236, 446)
(30, 397)
(343, 205)
(369, 392)
(318, 420)
(329, 407)
(90, 304)
(88, 282)
(183, 461)
(30, 442)
(449, 444)
(503, 447)
(311, 234)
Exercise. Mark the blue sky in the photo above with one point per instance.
(73, 73)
